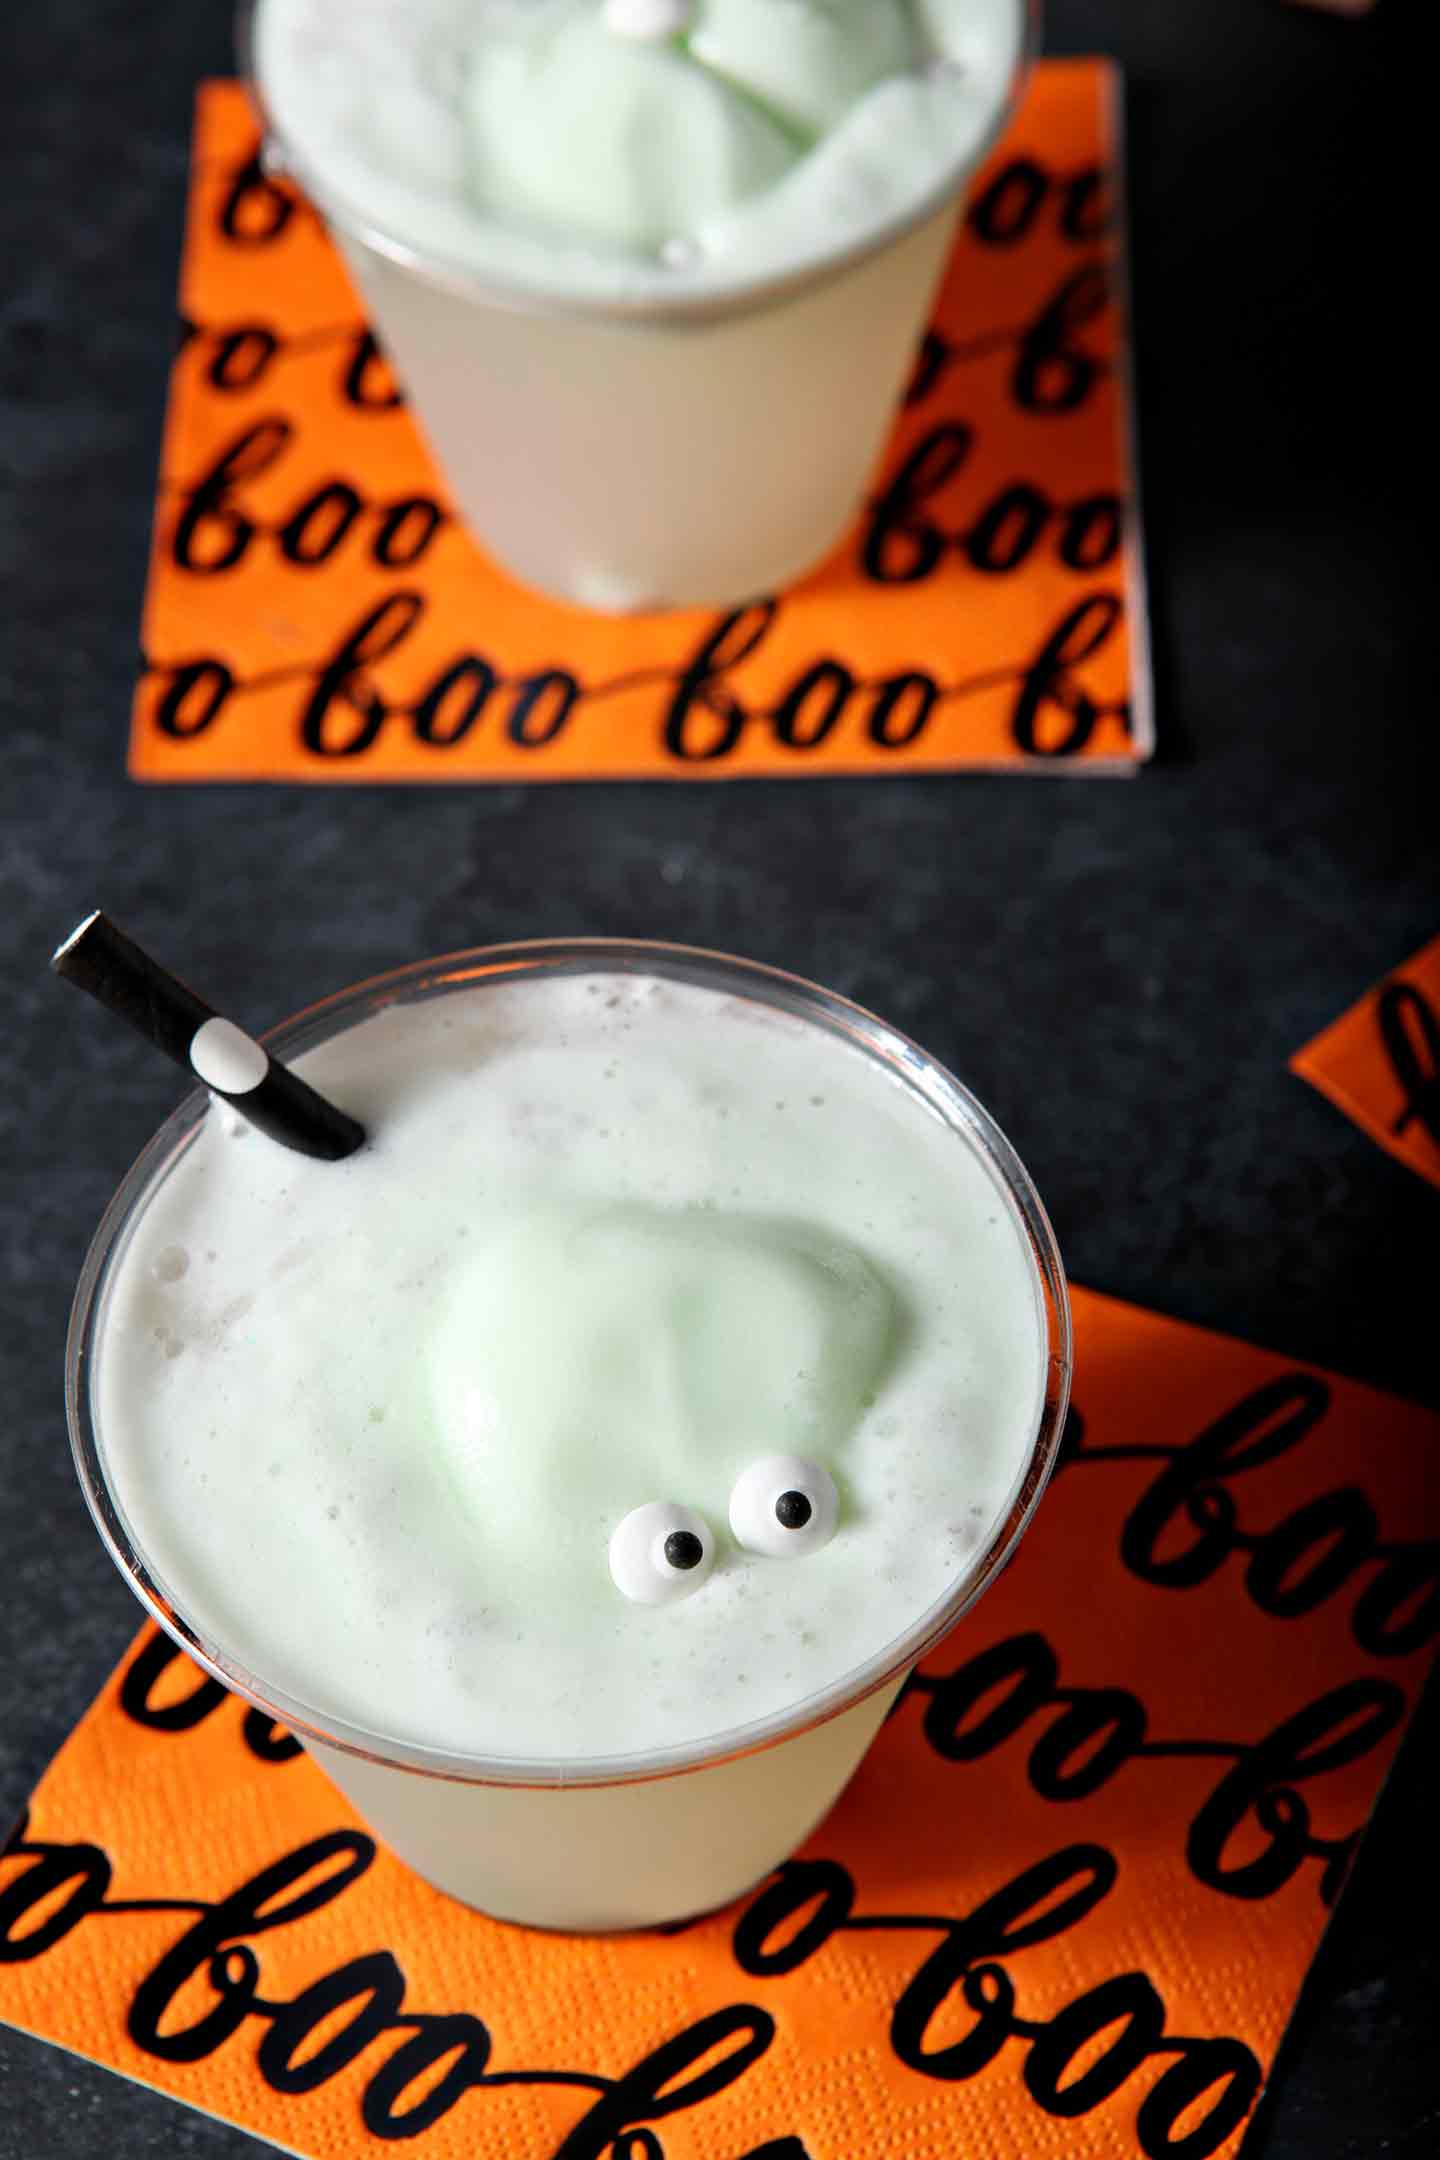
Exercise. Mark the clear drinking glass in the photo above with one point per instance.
(628, 454)
(602, 1842)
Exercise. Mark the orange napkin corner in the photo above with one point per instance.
(1380, 1062)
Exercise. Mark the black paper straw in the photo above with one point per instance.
(101, 959)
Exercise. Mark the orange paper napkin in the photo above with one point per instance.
(1380, 1062)
(1063, 1909)
(316, 613)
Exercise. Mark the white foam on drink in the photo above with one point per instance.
(611, 1241)
(537, 141)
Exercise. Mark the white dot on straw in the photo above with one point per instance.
(225, 1057)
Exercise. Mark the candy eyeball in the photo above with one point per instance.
(660, 1552)
(785, 1507)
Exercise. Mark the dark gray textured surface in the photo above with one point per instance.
(1121, 971)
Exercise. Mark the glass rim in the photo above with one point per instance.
(721, 300)
(925, 1075)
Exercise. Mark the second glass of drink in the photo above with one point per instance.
(653, 271)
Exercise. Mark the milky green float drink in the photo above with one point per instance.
(580, 1466)
(653, 270)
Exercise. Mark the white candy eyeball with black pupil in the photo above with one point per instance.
(784, 1506)
(660, 1552)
